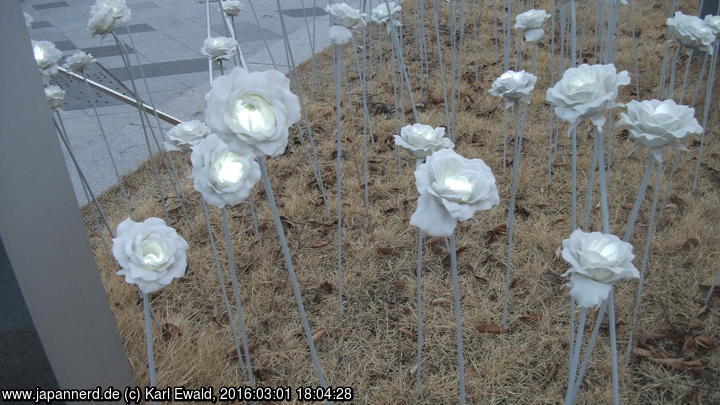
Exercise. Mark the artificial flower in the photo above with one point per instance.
(55, 96)
(339, 35)
(344, 15)
(78, 61)
(219, 48)
(451, 189)
(150, 253)
(713, 22)
(46, 57)
(223, 176)
(252, 108)
(531, 24)
(231, 7)
(422, 140)
(597, 260)
(691, 32)
(105, 13)
(658, 124)
(186, 134)
(383, 13)
(28, 20)
(587, 91)
(514, 87)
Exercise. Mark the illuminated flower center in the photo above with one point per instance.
(39, 53)
(577, 82)
(153, 254)
(428, 134)
(227, 169)
(458, 184)
(254, 114)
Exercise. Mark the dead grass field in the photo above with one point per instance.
(372, 348)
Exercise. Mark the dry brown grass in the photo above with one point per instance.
(372, 349)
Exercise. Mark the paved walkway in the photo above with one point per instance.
(167, 35)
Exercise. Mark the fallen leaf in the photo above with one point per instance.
(695, 324)
(691, 243)
(706, 288)
(706, 342)
(551, 278)
(494, 234)
(531, 318)
(494, 329)
(262, 374)
(169, 331)
(319, 335)
(440, 301)
(326, 287)
(386, 251)
(689, 346)
(222, 319)
(408, 334)
(640, 352)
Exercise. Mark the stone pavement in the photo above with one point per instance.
(167, 37)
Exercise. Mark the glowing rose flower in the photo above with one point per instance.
(339, 35)
(55, 96)
(691, 31)
(713, 22)
(231, 7)
(344, 15)
(384, 13)
(46, 56)
(531, 24)
(514, 87)
(597, 260)
(587, 91)
(451, 189)
(252, 108)
(221, 175)
(186, 134)
(422, 140)
(657, 124)
(104, 14)
(28, 20)
(150, 253)
(78, 61)
(219, 48)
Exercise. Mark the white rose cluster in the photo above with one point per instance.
(219, 48)
(658, 124)
(713, 22)
(343, 19)
(344, 15)
(55, 96)
(46, 57)
(384, 13)
(78, 61)
(691, 32)
(422, 140)
(231, 7)
(105, 13)
(185, 135)
(451, 189)
(252, 109)
(587, 91)
(223, 176)
(514, 87)
(150, 253)
(597, 260)
(531, 24)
